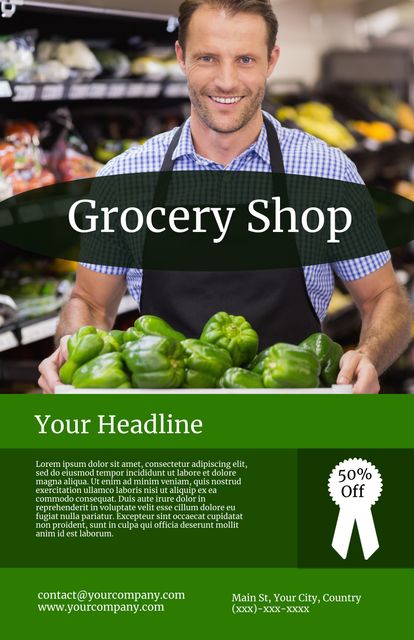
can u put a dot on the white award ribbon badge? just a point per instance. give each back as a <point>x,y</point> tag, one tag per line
<point>355,486</point>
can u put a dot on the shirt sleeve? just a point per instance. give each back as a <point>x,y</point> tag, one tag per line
<point>357,268</point>
<point>108,170</point>
<point>102,268</point>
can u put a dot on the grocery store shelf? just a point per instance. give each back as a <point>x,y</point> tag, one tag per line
<point>389,160</point>
<point>126,8</point>
<point>37,329</point>
<point>95,90</point>
<point>8,340</point>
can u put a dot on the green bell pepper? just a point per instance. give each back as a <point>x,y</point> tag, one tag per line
<point>330,369</point>
<point>83,345</point>
<point>110,344</point>
<point>237,378</point>
<point>80,333</point>
<point>156,362</point>
<point>107,371</point>
<point>132,334</point>
<point>204,364</point>
<point>155,326</point>
<point>289,366</point>
<point>329,354</point>
<point>257,364</point>
<point>117,335</point>
<point>233,333</point>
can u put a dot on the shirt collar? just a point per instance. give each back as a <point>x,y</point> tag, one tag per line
<point>185,145</point>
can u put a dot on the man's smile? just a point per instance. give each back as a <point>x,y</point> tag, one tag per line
<point>226,100</point>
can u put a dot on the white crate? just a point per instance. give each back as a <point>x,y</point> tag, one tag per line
<point>336,388</point>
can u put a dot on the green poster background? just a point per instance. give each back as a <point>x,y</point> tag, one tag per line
<point>354,425</point>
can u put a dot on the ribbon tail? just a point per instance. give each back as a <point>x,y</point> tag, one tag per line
<point>367,532</point>
<point>343,532</point>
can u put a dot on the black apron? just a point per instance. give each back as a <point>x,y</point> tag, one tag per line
<point>274,301</point>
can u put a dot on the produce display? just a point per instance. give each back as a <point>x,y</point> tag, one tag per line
<point>25,165</point>
<point>152,68</point>
<point>16,54</point>
<point>379,131</point>
<point>22,163</point>
<point>73,163</point>
<point>114,63</point>
<point>25,59</point>
<point>405,189</point>
<point>377,114</point>
<point>318,120</point>
<point>153,355</point>
<point>108,149</point>
<point>386,104</point>
<point>34,296</point>
<point>74,55</point>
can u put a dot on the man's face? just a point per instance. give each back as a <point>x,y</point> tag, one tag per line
<point>226,63</point>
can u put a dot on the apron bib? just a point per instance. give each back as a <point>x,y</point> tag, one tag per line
<point>274,301</point>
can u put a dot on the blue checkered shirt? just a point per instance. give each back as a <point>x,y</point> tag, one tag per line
<point>302,155</point>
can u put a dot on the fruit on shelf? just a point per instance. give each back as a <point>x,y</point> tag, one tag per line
<point>405,116</point>
<point>114,63</point>
<point>318,120</point>
<point>379,131</point>
<point>405,189</point>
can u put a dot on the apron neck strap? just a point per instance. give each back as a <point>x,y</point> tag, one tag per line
<point>275,153</point>
<point>168,163</point>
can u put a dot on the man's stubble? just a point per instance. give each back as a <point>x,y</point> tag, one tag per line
<point>253,104</point>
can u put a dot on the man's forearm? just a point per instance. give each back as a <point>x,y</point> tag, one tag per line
<point>76,313</point>
<point>386,327</point>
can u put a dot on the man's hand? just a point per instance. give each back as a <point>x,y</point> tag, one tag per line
<point>357,369</point>
<point>49,367</point>
<point>94,301</point>
<point>386,329</point>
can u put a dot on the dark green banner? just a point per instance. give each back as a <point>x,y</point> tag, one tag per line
<point>206,221</point>
<point>243,492</point>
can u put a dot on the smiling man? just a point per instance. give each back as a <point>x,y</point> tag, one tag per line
<point>227,56</point>
<point>227,50</point>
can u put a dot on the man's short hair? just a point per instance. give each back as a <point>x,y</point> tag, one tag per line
<point>259,7</point>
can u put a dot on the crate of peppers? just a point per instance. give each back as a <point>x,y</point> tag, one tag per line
<point>152,355</point>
